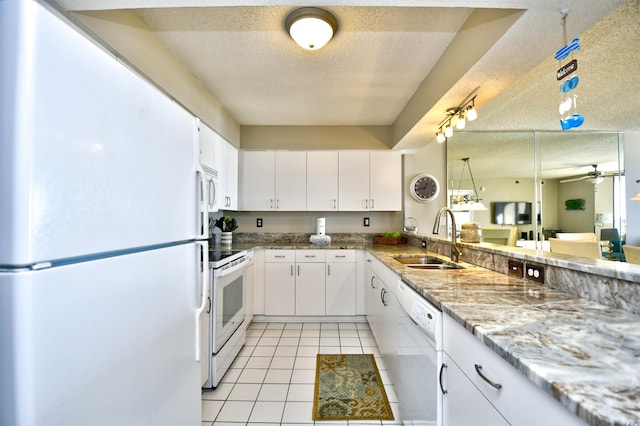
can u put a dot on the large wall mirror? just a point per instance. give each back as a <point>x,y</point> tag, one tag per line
<point>536,185</point>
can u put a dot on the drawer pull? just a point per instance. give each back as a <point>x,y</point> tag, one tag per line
<point>485,378</point>
<point>310,255</point>
<point>279,256</point>
<point>442,367</point>
<point>341,255</point>
<point>372,284</point>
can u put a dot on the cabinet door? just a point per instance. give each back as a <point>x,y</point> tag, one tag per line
<point>372,301</point>
<point>229,176</point>
<point>463,404</point>
<point>341,288</point>
<point>322,181</point>
<point>385,180</point>
<point>390,312</point>
<point>291,180</point>
<point>310,289</point>
<point>206,145</point>
<point>280,289</point>
<point>353,181</point>
<point>257,180</point>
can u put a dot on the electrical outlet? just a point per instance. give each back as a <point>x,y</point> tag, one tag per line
<point>535,273</point>
<point>516,268</point>
<point>365,222</point>
<point>424,244</point>
<point>259,222</point>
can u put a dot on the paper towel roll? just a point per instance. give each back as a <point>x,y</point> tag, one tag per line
<point>320,226</point>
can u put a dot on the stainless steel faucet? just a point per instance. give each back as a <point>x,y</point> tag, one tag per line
<point>455,250</point>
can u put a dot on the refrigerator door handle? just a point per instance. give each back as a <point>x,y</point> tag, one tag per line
<point>204,280</point>
<point>203,214</point>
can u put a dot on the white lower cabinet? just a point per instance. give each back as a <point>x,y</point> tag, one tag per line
<point>462,402</point>
<point>280,282</point>
<point>383,309</point>
<point>515,398</point>
<point>340,294</point>
<point>309,283</point>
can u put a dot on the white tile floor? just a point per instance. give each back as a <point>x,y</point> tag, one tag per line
<point>272,379</point>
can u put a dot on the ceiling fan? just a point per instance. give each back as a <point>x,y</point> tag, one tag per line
<point>595,176</point>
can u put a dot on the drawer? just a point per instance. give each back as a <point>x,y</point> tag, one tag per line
<point>303,256</point>
<point>517,394</point>
<point>347,256</point>
<point>280,256</point>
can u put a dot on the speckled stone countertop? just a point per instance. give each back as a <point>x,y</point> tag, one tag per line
<point>586,355</point>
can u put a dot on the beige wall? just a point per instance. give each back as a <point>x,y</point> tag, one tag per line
<point>316,137</point>
<point>576,220</point>
<point>305,222</point>
<point>430,159</point>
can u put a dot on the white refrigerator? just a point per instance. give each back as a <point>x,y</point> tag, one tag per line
<point>103,251</point>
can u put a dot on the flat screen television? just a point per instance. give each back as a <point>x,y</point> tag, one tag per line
<point>511,212</point>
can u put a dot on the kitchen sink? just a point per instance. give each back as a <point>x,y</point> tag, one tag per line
<point>432,266</point>
<point>406,259</point>
<point>425,262</point>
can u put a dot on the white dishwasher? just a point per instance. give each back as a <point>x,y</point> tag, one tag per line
<point>418,358</point>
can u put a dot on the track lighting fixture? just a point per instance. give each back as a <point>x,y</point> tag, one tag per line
<point>466,111</point>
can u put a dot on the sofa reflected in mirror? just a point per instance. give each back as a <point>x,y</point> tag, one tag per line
<point>632,254</point>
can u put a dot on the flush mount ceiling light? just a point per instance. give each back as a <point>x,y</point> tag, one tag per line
<point>311,27</point>
<point>466,111</point>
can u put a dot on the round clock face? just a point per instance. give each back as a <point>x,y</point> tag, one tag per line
<point>424,188</point>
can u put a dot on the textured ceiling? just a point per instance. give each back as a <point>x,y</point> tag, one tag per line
<point>364,76</point>
<point>380,67</point>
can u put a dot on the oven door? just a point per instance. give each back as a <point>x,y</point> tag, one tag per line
<point>228,303</point>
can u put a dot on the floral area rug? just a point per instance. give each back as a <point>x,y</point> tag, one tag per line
<point>348,387</point>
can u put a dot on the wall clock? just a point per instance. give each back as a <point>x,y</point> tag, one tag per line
<point>424,188</point>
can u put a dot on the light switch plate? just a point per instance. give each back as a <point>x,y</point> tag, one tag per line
<point>516,268</point>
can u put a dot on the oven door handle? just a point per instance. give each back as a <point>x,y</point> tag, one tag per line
<point>231,270</point>
<point>204,281</point>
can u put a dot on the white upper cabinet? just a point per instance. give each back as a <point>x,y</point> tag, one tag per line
<point>291,180</point>
<point>220,159</point>
<point>385,180</point>
<point>273,180</point>
<point>353,180</point>
<point>322,180</point>
<point>257,180</point>
<point>206,145</point>
<point>370,181</point>
<point>226,161</point>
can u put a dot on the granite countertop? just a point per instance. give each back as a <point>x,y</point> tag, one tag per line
<point>586,355</point>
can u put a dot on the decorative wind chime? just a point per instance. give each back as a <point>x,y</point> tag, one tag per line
<point>569,117</point>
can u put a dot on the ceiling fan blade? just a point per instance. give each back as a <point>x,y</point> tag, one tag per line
<point>574,179</point>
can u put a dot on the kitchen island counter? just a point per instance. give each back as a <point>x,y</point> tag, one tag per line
<point>586,355</point>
